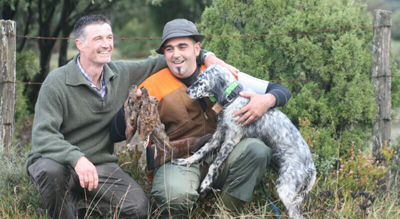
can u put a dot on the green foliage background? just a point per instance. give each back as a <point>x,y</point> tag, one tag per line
<point>147,19</point>
<point>27,66</point>
<point>327,73</point>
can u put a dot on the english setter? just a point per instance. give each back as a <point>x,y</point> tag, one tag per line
<point>297,172</point>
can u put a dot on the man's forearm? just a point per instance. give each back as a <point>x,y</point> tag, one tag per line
<point>281,93</point>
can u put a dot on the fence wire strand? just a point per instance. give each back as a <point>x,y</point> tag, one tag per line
<point>29,122</point>
<point>221,36</point>
<point>274,81</point>
<point>218,37</point>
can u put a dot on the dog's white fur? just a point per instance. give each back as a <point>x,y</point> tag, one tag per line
<point>297,172</point>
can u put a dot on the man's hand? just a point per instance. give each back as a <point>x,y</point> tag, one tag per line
<point>87,173</point>
<point>211,59</point>
<point>258,105</point>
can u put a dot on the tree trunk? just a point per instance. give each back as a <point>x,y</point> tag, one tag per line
<point>63,53</point>
<point>45,57</point>
<point>46,14</point>
<point>67,27</point>
<point>27,26</point>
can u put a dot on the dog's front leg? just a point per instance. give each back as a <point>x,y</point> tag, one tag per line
<point>226,148</point>
<point>208,147</point>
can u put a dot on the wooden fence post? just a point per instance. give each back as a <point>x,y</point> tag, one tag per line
<point>7,82</point>
<point>381,80</point>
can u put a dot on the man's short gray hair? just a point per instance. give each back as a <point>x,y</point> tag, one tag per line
<point>88,20</point>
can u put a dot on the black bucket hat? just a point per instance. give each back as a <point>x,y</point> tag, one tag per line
<point>179,28</point>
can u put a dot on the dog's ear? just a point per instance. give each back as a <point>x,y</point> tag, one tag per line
<point>222,78</point>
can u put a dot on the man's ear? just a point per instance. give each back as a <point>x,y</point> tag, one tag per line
<point>197,47</point>
<point>79,44</point>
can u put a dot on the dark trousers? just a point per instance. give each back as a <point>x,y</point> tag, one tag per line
<point>63,196</point>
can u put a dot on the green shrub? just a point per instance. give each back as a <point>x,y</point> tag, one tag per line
<point>328,73</point>
<point>27,66</point>
<point>362,172</point>
<point>137,27</point>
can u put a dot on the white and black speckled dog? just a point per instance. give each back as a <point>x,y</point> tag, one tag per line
<point>297,173</point>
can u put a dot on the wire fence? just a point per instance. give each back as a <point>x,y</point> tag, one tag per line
<point>291,33</point>
<point>272,80</point>
<point>219,37</point>
<point>222,36</point>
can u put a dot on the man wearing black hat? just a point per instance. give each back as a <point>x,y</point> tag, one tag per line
<point>175,188</point>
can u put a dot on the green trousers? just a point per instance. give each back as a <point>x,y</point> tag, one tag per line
<point>175,188</point>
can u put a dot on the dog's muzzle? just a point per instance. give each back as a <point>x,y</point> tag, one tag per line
<point>189,93</point>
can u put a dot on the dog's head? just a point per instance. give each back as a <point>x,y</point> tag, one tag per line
<point>211,83</point>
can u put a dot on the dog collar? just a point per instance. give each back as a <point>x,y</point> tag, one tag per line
<point>231,93</point>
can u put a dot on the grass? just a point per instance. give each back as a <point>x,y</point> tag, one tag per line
<point>18,197</point>
<point>332,195</point>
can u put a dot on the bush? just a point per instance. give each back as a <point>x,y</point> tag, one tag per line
<point>27,66</point>
<point>356,188</point>
<point>327,73</point>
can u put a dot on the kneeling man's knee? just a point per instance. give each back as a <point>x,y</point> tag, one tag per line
<point>46,172</point>
<point>259,153</point>
<point>175,200</point>
<point>136,209</point>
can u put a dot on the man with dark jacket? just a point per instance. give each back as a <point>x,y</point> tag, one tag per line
<point>175,188</point>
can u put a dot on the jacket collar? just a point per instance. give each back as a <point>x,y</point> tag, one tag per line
<point>74,76</point>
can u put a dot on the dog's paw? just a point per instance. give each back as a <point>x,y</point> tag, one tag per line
<point>205,187</point>
<point>180,161</point>
<point>204,191</point>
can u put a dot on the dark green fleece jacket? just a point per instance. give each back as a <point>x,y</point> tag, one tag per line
<point>72,120</point>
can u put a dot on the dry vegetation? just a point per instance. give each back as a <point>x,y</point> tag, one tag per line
<point>351,188</point>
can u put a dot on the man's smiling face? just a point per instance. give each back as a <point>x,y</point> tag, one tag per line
<point>180,55</point>
<point>98,43</point>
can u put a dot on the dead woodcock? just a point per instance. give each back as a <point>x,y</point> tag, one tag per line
<point>141,114</point>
